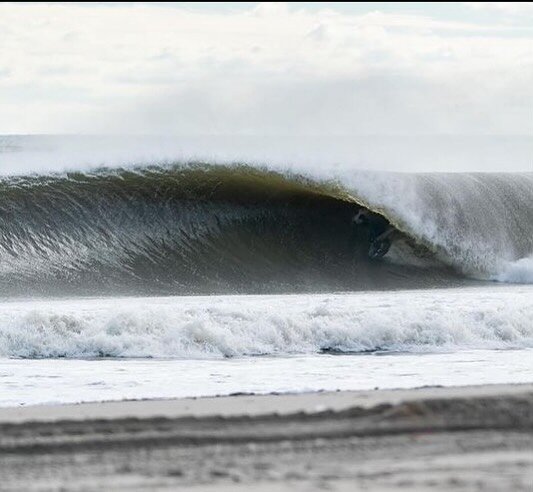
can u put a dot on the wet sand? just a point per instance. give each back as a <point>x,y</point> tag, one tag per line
<point>464,438</point>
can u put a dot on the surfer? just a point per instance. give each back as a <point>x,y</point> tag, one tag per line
<point>379,232</point>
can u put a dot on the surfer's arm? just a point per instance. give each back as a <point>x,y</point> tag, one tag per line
<point>385,234</point>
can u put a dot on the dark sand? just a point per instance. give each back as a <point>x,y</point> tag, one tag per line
<point>472,438</point>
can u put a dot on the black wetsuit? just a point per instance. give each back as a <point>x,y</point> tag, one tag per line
<point>377,225</point>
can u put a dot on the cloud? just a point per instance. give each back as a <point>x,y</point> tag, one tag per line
<point>271,69</point>
<point>509,8</point>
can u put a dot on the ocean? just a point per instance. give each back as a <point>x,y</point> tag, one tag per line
<point>156,268</point>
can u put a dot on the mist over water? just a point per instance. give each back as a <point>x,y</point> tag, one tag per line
<point>319,154</point>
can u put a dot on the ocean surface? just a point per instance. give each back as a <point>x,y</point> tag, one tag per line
<point>154,268</point>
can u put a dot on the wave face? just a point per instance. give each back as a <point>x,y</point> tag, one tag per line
<point>199,228</point>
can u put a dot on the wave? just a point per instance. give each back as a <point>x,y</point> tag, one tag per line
<point>517,272</point>
<point>194,228</point>
<point>228,326</point>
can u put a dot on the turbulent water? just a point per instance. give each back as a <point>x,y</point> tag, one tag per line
<point>196,327</point>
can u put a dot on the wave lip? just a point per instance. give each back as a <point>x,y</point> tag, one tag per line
<point>232,326</point>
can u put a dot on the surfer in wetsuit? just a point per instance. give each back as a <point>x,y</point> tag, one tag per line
<point>379,232</point>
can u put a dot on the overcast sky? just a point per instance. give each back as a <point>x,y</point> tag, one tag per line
<point>267,69</point>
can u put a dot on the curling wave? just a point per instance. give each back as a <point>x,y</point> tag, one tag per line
<point>203,228</point>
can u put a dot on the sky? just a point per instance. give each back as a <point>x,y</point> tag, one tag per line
<point>267,68</point>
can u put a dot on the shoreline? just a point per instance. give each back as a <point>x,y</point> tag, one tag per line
<point>247,404</point>
<point>427,438</point>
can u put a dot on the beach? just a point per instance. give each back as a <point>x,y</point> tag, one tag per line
<point>460,438</point>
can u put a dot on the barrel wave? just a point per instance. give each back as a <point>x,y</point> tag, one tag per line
<point>200,228</point>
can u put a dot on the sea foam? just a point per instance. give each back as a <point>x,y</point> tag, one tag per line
<point>518,272</point>
<point>232,326</point>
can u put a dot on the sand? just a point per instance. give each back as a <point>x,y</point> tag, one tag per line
<point>464,438</point>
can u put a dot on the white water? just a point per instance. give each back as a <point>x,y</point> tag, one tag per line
<point>518,272</point>
<point>29,382</point>
<point>178,346</point>
<point>498,317</point>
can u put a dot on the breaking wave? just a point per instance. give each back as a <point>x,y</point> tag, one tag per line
<point>203,228</point>
<point>227,326</point>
